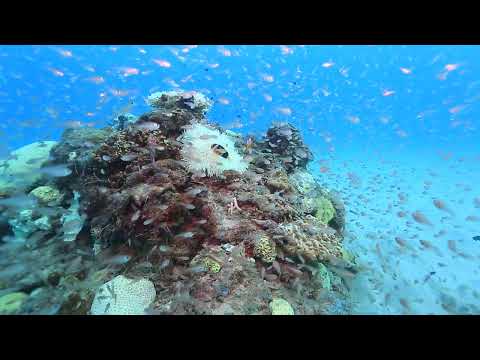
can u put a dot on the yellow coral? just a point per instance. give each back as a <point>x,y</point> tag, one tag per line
<point>46,194</point>
<point>265,249</point>
<point>325,210</point>
<point>212,265</point>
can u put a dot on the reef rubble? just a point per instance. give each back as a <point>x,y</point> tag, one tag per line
<point>211,222</point>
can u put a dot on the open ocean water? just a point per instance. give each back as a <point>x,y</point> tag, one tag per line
<point>393,129</point>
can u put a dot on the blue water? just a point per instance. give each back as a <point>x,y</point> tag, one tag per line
<point>388,114</point>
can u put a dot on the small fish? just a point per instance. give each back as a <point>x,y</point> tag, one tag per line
<point>106,158</point>
<point>207,137</point>
<point>429,275</point>
<point>439,204</point>
<point>164,248</point>
<point>19,202</point>
<point>164,264</point>
<point>194,191</point>
<point>147,126</point>
<point>277,268</point>
<point>405,304</point>
<point>128,157</point>
<point>476,238</point>
<point>135,216</point>
<point>111,291</point>
<point>262,273</point>
<point>198,269</point>
<point>420,218</point>
<point>33,161</point>
<point>56,170</point>
<point>118,260</point>
<point>72,226</point>
<point>401,242</point>
<point>452,245</point>
<point>106,308</point>
<point>187,234</point>
<point>472,218</point>
<point>476,202</point>
<point>148,221</point>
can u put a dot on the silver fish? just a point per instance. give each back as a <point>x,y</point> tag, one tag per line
<point>56,170</point>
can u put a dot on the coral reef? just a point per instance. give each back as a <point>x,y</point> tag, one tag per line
<point>217,223</point>
<point>123,296</point>
<point>72,221</point>
<point>27,222</point>
<point>283,147</point>
<point>47,195</point>
<point>77,145</point>
<point>325,211</point>
<point>122,121</point>
<point>192,100</point>
<point>264,249</point>
<point>308,239</point>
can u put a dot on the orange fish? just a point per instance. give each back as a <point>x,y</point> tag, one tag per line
<point>388,92</point>
<point>268,78</point>
<point>439,204</point>
<point>128,71</point>
<point>96,80</point>
<point>421,219</point>
<point>328,64</point>
<point>56,72</point>
<point>162,63</point>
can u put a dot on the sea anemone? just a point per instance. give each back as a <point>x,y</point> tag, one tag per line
<point>208,151</point>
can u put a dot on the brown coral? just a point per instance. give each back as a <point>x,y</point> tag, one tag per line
<point>308,239</point>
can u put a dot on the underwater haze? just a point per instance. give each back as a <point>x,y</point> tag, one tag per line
<point>392,131</point>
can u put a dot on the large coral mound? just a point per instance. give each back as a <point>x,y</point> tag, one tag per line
<point>227,243</point>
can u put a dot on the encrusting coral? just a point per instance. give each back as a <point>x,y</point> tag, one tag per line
<point>264,249</point>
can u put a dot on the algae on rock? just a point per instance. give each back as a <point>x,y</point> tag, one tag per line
<point>11,303</point>
<point>325,210</point>
<point>281,307</point>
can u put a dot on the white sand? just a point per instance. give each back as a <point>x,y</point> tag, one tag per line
<point>400,272</point>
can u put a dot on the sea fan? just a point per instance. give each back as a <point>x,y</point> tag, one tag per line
<point>208,151</point>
